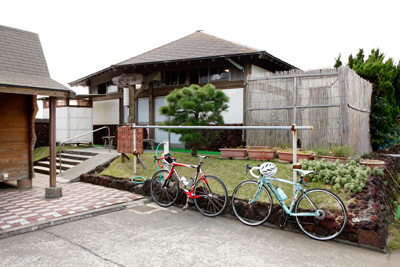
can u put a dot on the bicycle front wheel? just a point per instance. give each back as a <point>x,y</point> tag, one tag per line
<point>332,214</point>
<point>164,191</point>
<point>251,204</point>
<point>211,197</point>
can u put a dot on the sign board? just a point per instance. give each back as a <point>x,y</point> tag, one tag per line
<point>128,79</point>
<point>125,140</point>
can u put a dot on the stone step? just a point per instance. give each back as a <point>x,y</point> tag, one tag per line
<point>74,156</point>
<point>69,161</point>
<point>75,152</point>
<point>47,164</point>
<point>43,170</point>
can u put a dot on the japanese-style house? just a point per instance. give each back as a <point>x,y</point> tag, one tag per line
<point>198,58</point>
<point>23,76</point>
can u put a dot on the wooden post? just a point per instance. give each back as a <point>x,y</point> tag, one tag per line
<point>52,140</point>
<point>132,104</point>
<point>247,71</point>
<point>121,111</point>
<point>151,112</point>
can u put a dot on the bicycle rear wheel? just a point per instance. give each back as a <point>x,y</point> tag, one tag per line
<point>333,214</point>
<point>213,197</point>
<point>164,191</point>
<point>252,214</point>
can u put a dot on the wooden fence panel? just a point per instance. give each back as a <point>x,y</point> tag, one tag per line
<point>320,98</point>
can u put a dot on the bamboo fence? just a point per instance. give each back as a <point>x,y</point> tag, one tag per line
<point>336,102</point>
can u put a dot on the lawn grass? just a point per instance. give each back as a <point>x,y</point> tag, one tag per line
<point>394,233</point>
<point>231,172</point>
<point>42,152</point>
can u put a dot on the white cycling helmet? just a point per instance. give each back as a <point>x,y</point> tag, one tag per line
<point>268,169</point>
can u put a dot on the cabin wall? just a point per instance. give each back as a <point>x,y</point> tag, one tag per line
<point>16,135</point>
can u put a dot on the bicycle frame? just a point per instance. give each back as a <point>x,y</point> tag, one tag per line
<point>190,194</point>
<point>263,180</point>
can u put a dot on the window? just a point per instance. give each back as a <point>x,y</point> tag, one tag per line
<point>203,75</point>
<point>182,77</point>
<point>194,76</point>
<point>102,88</point>
<point>219,73</point>
<point>170,78</point>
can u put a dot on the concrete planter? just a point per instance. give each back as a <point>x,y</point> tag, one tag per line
<point>373,163</point>
<point>261,154</point>
<point>333,159</point>
<point>288,156</point>
<point>233,153</point>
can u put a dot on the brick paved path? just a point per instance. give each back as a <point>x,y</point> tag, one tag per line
<point>25,207</point>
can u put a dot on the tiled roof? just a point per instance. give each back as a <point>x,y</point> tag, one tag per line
<point>22,62</point>
<point>196,45</point>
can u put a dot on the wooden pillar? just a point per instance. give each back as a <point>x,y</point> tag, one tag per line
<point>121,111</point>
<point>52,139</point>
<point>35,110</point>
<point>247,71</point>
<point>132,104</point>
<point>152,114</point>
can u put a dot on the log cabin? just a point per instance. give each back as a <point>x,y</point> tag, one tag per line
<point>23,76</point>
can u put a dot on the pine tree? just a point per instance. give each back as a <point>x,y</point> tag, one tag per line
<point>195,106</point>
<point>338,62</point>
<point>385,101</point>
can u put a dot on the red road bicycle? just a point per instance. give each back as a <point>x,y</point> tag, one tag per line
<point>207,192</point>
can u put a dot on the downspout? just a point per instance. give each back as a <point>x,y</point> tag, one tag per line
<point>244,85</point>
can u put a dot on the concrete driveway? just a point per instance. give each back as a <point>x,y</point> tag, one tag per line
<point>148,235</point>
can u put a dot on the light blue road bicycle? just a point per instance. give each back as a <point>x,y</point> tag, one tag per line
<point>319,213</point>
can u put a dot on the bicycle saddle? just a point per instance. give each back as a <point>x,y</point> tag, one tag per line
<point>303,172</point>
<point>202,157</point>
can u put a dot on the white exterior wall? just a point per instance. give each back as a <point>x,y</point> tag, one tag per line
<point>159,134</point>
<point>143,111</point>
<point>258,70</point>
<point>106,112</point>
<point>234,114</point>
<point>71,122</point>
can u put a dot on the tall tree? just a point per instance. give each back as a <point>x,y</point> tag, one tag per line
<point>385,102</point>
<point>195,106</point>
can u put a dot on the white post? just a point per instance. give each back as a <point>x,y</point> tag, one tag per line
<point>166,150</point>
<point>166,146</point>
<point>126,104</point>
<point>294,156</point>
<point>134,149</point>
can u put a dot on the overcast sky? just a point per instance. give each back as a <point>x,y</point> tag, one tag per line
<point>82,37</point>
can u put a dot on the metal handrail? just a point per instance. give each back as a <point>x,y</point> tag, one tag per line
<point>61,143</point>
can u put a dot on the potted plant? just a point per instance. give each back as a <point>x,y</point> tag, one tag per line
<point>261,153</point>
<point>236,153</point>
<point>373,163</point>
<point>341,153</point>
<point>286,154</point>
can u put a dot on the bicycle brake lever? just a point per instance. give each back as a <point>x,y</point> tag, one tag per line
<point>247,168</point>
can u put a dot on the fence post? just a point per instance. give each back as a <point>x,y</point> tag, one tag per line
<point>134,149</point>
<point>294,156</point>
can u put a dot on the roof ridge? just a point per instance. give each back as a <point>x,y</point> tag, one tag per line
<point>155,48</point>
<point>233,42</point>
<point>175,41</point>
